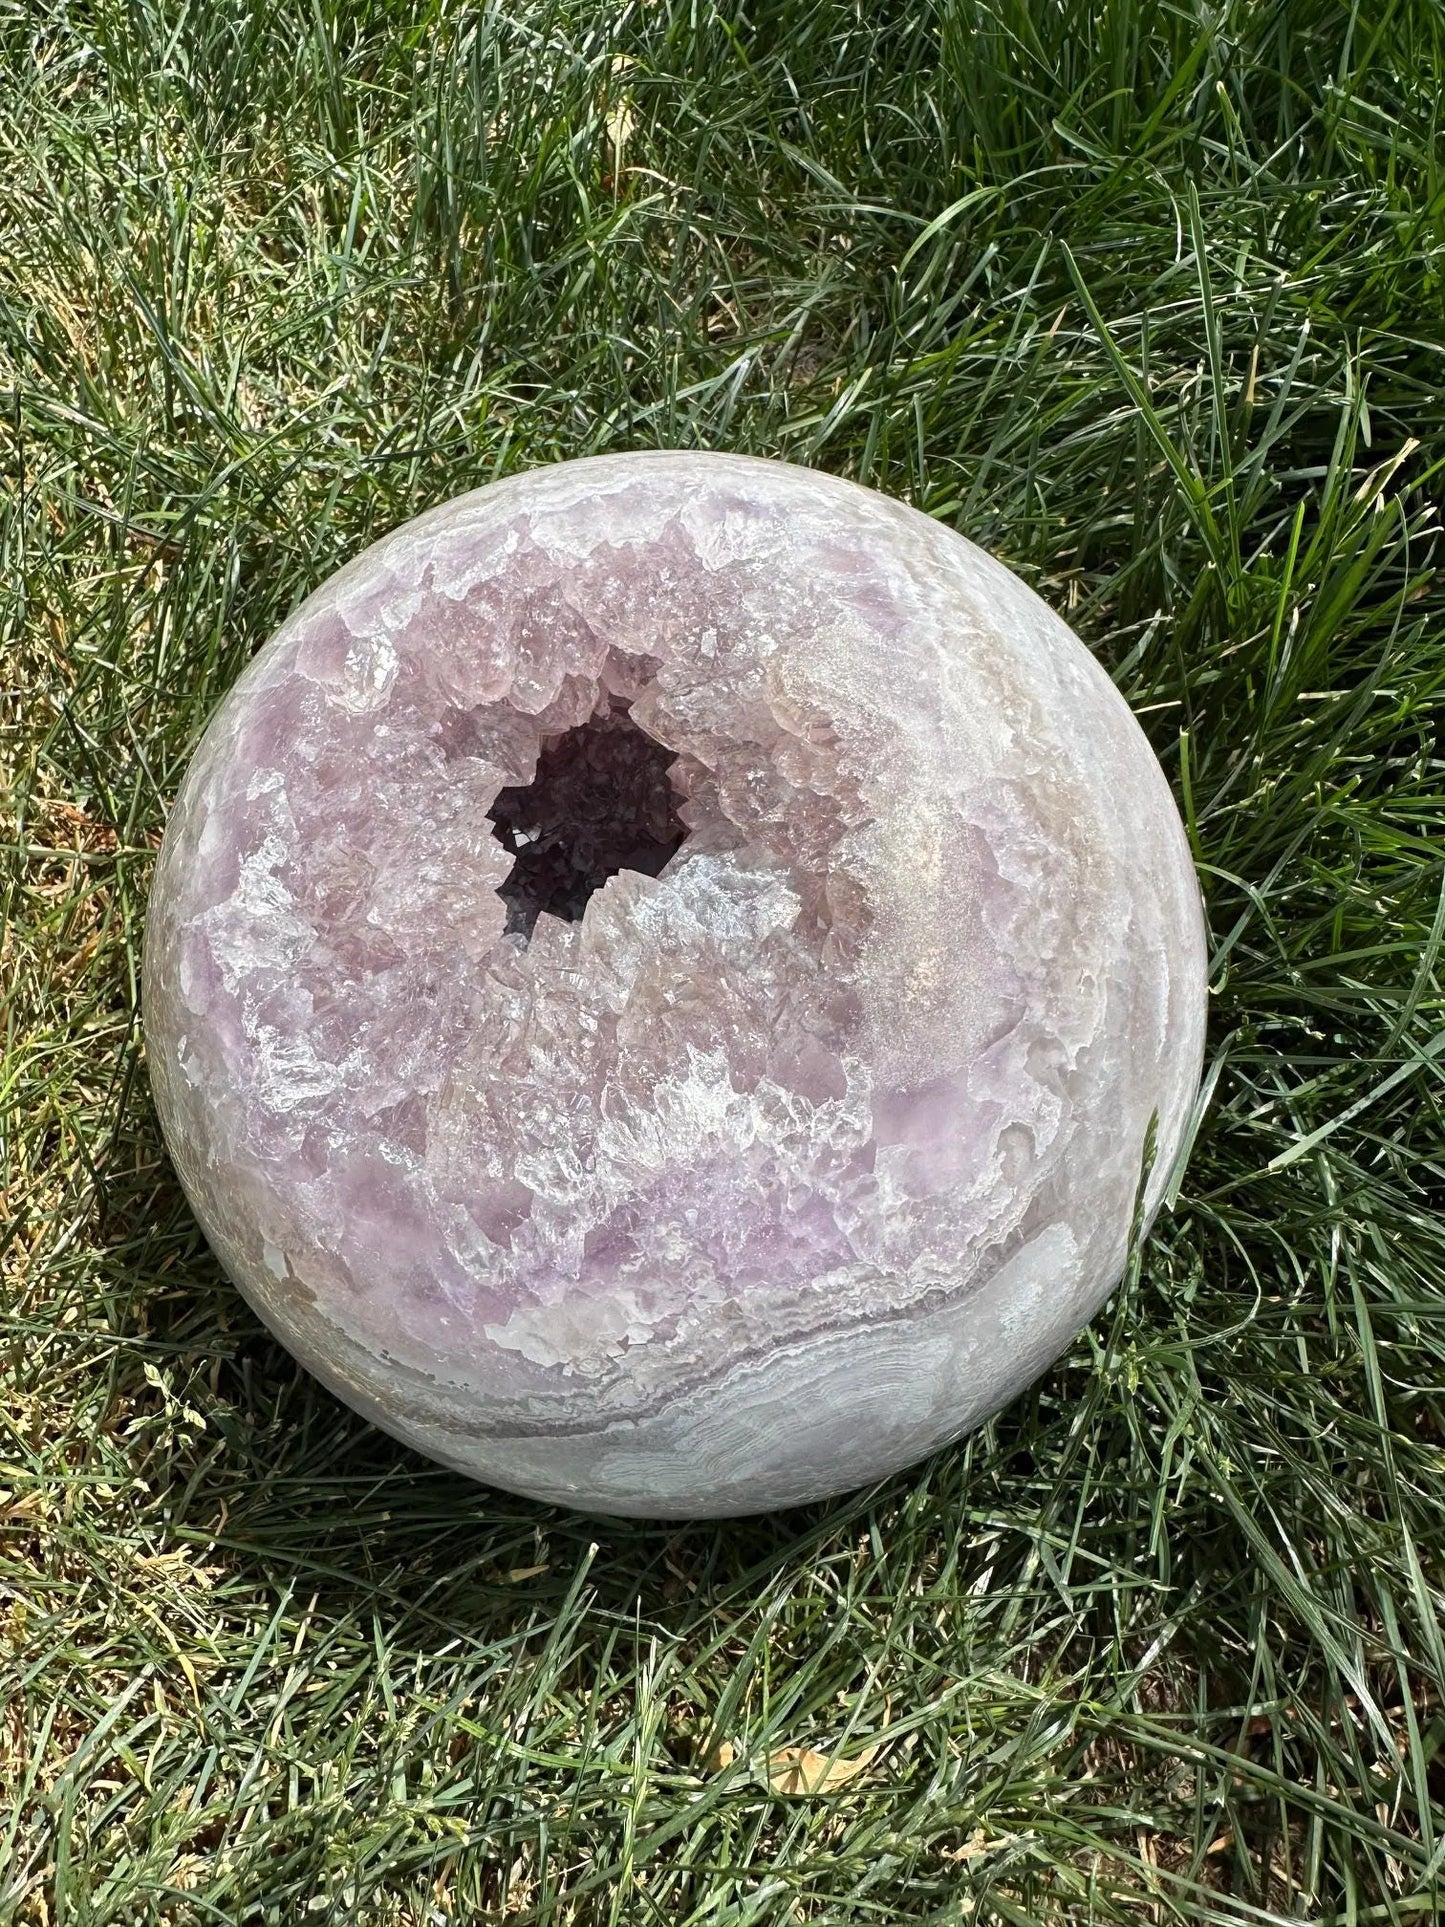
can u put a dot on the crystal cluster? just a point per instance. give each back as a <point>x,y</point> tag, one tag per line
<point>659,978</point>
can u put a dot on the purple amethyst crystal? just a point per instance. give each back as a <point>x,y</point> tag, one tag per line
<point>658,981</point>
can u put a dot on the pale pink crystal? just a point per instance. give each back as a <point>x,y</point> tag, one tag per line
<point>771,1172</point>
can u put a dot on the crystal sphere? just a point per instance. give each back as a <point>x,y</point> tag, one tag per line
<point>660,979</point>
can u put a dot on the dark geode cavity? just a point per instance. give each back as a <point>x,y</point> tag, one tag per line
<point>599,802</point>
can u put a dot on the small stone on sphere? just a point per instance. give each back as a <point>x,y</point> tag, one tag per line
<point>659,978</point>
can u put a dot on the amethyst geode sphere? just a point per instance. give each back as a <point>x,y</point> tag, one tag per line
<point>658,981</point>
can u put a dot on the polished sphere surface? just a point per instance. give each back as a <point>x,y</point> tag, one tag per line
<point>658,981</point>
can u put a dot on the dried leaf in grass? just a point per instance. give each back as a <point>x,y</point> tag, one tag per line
<point>620,119</point>
<point>977,1843</point>
<point>798,1769</point>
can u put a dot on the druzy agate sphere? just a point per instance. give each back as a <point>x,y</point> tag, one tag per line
<point>665,978</point>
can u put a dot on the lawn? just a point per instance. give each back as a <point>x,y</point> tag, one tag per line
<point>1150,300</point>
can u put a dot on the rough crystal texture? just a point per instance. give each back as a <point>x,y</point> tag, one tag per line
<point>764,1175</point>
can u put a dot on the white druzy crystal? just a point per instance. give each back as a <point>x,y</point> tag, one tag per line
<point>748,1173</point>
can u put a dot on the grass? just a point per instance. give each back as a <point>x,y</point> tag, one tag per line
<point>1148,298</point>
